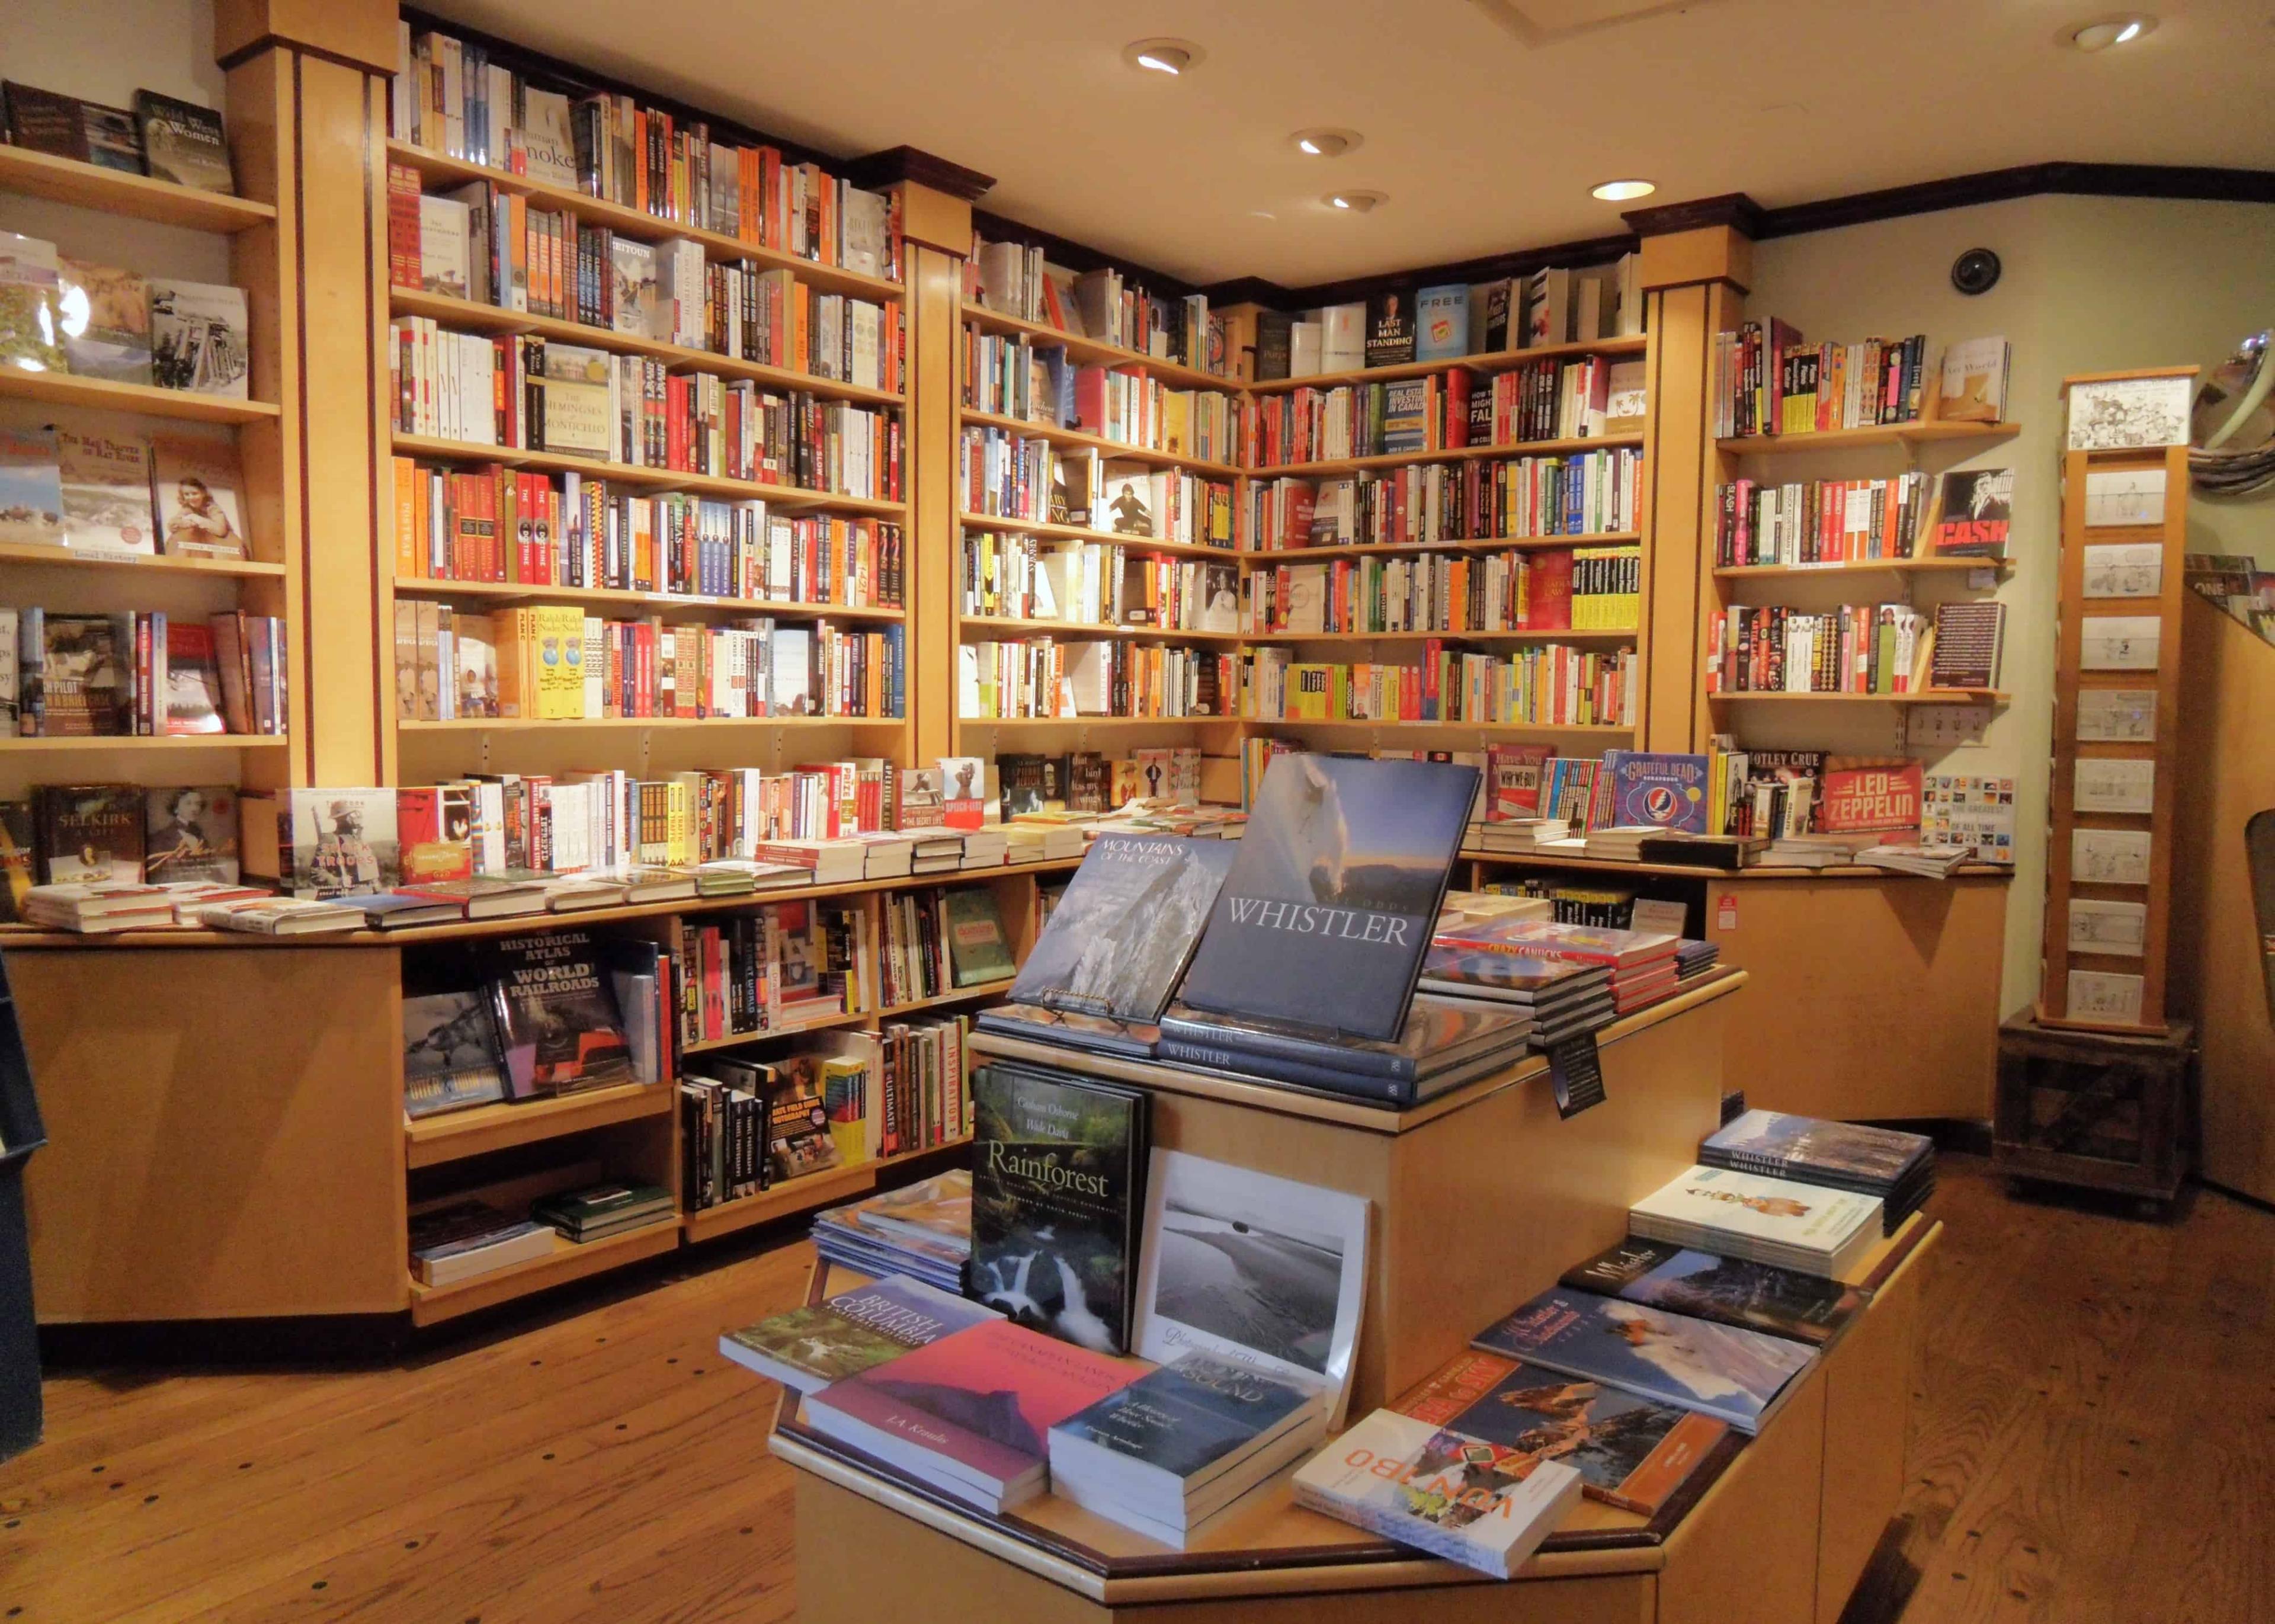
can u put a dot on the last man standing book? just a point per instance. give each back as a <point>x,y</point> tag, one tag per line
<point>1333,892</point>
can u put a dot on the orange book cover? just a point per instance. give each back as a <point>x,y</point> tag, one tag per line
<point>408,563</point>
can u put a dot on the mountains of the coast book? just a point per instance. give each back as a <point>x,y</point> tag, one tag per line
<point>1333,894</point>
<point>1057,1167</point>
<point>1121,936</point>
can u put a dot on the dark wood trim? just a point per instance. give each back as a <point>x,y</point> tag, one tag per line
<point>2192,183</point>
<point>251,49</point>
<point>1733,209</point>
<point>1249,290</point>
<point>1079,256</point>
<point>306,741</point>
<point>1519,263</point>
<point>914,165</point>
<point>384,702</point>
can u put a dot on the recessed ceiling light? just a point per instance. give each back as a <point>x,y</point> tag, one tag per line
<point>1622,190</point>
<point>1326,143</point>
<point>1354,202</point>
<point>2111,31</point>
<point>1169,57</point>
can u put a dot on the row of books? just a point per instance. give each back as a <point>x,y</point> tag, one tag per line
<point>1044,677</point>
<point>162,136</point>
<point>1826,521</point>
<point>451,96</point>
<point>1018,280</point>
<point>463,1239</point>
<point>121,495</point>
<point>1586,589</point>
<point>1095,584</point>
<point>553,662</point>
<point>488,244</point>
<point>140,675</point>
<point>84,319</point>
<point>1552,685</point>
<point>1588,493</point>
<point>1769,380</point>
<point>511,525</point>
<point>533,394</point>
<point>1541,400</point>
<point>1004,475</point>
<point>1035,381</point>
<point>1886,648</point>
<point>1447,321</point>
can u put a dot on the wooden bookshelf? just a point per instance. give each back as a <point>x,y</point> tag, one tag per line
<point>495,724</point>
<point>59,743</point>
<point>1330,466</point>
<point>1489,361</point>
<point>1927,432</point>
<point>1859,566</point>
<point>165,564</point>
<point>1256,558</point>
<point>1925,696</point>
<point>1097,722</point>
<point>429,1141</point>
<point>1012,626</point>
<point>55,389</point>
<point>1499,729</point>
<point>1093,351</point>
<point>1076,532</point>
<point>113,192</point>
<point>786,496</point>
<point>1082,440</point>
<point>568,1260</point>
<point>524,591</point>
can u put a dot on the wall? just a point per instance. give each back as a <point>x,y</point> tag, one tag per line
<point>2089,285</point>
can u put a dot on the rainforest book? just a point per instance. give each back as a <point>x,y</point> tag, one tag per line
<point>1126,926</point>
<point>1731,1291</point>
<point>1332,892</point>
<point>809,1347</point>
<point>1057,1202</point>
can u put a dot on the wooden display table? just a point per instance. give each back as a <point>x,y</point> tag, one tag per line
<point>1482,1199</point>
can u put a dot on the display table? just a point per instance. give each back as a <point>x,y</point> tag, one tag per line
<point>1481,1198</point>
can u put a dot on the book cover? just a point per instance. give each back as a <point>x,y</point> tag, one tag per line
<point>198,337</point>
<point>1442,322</point>
<point>1057,1173</point>
<point>44,121</point>
<point>31,484</point>
<point>31,335</point>
<point>184,143</point>
<point>1975,512</point>
<point>449,1053</point>
<point>977,951</point>
<point>1440,1034</point>
<point>192,680</point>
<point>1482,1505</point>
<point>88,833</point>
<point>106,321</point>
<point>1186,1419</point>
<point>1126,926</point>
<point>1800,1220</point>
<point>576,415</point>
<point>1861,795</point>
<point>1731,1291</point>
<point>190,834</point>
<point>106,480</point>
<point>113,142</point>
<point>84,664</point>
<point>964,791</point>
<point>1781,1145</point>
<point>1630,1450</point>
<point>1124,499</point>
<point>1390,328</point>
<point>1325,914</point>
<point>1650,787</point>
<point>1514,775</point>
<point>1725,1372</point>
<point>196,487</point>
<point>558,1028</point>
<point>809,1347</point>
<point>1102,1032</point>
<point>343,842</point>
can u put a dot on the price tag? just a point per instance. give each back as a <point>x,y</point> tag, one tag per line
<point>1576,1072</point>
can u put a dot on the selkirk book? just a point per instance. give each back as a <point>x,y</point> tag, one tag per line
<point>1121,934</point>
<point>1332,892</point>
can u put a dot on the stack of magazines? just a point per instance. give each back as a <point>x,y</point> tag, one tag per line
<point>1564,999</point>
<point>1897,1167</point>
<point>1642,963</point>
<point>922,1230</point>
<point>1806,1226</point>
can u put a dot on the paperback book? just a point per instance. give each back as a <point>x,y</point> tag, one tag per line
<point>1731,1291</point>
<point>1103,1033</point>
<point>1442,1038</point>
<point>1806,1227</point>
<point>809,1347</point>
<point>1126,926</point>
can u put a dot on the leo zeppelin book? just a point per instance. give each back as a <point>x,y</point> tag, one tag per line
<point>1327,909</point>
<point>1121,934</point>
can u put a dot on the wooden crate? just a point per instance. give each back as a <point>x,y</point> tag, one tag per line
<point>2104,1110</point>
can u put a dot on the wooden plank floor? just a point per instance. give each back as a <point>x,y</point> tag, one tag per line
<point>2094,1444</point>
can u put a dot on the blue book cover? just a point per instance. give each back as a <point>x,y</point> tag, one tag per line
<point>1334,889</point>
<point>1184,1418</point>
<point>1442,322</point>
<point>1732,1374</point>
<point>1651,787</point>
<point>1440,1034</point>
<point>1120,937</point>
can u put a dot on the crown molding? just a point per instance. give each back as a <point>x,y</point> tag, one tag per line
<point>2195,184</point>
<point>1733,209</point>
<point>912,165</point>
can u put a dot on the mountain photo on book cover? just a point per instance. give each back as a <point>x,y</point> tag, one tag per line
<point>1120,936</point>
<point>1332,892</point>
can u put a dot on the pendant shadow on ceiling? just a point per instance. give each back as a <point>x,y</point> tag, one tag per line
<point>1538,23</point>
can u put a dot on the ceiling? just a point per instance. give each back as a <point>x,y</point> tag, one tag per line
<point>1485,121</point>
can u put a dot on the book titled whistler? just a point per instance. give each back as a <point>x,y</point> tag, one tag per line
<point>1333,890</point>
<point>1055,1202</point>
<point>1121,936</point>
<point>1779,1144</point>
<point>1652,788</point>
<point>1732,1291</point>
<point>809,1347</point>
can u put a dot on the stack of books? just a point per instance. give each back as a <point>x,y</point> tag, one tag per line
<point>597,1211</point>
<point>467,1238</point>
<point>1933,862</point>
<point>826,862</point>
<point>1727,852</point>
<point>1446,1042</point>
<point>1045,837</point>
<point>985,847</point>
<point>1808,1227</point>
<point>1622,843</point>
<point>93,907</point>
<point>1475,907</point>
<point>1562,999</point>
<point>1517,834</point>
<point>922,1230</point>
<point>1693,959</point>
<point>1642,963</point>
<point>938,851</point>
<point>890,856</point>
<point>1182,1442</point>
<point>808,1349</point>
<point>1897,1167</point>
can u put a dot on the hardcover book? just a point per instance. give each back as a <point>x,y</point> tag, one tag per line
<point>335,843</point>
<point>976,952</point>
<point>184,143</point>
<point>1442,317</point>
<point>106,321</point>
<point>449,1053</point>
<point>1126,926</point>
<point>85,666</point>
<point>31,334</point>
<point>970,1414</point>
<point>1057,1171</point>
<point>18,858</point>
<point>31,479</point>
<point>1977,510</point>
<point>809,1347</point>
<point>196,485</point>
<point>1482,1505</point>
<point>198,339</point>
<point>1104,1033</point>
<point>1630,1450</point>
<point>1733,1375</point>
<point>88,833</point>
<point>1515,772</point>
<point>1779,1144</point>
<point>1337,881</point>
<point>1390,328</point>
<point>558,1027</point>
<point>190,834</point>
<point>106,480</point>
<point>1649,787</point>
<point>1440,1034</point>
<point>193,698</point>
<point>1808,1227</point>
<point>1731,1291</point>
<point>964,791</point>
<point>1863,795</point>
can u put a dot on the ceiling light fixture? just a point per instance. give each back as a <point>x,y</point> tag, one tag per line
<point>1169,57</point>
<point>1623,191</point>
<point>2110,31</point>
<point>1354,203</point>
<point>1326,143</point>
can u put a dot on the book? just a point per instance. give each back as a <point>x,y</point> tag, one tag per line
<point>1057,1177</point>
<point>964,791</point>
<point>1973,386</point>
<point>31,480</point>
<point>1867,794</point>
<point>1440,1035</point>
<point>106,321</point>
<point>196,488</point>
<point>1851,1155</point>
<point>88,833</point>
<point>1650,789</point>
<point>1126,926</point>
<point>1975,512</point>
<point>19,859</point>
<point>1630,1450</point>
<point>1811,1227</point>
<point>1442,322</point>
<point>1737,1376</point>
<point>1482,1505</point>
<point>972,1413</point>
<point>1327,908</point>
<point>193,679</point>
<point>106,485</point>
<point>44,121</point>
<point>1390,328</point>
<point>190,834</point>
<point>31,334</point>
<point>558,1027</point>
<point>1104,1033</point>
<point>922,1229</point>
<point>594,1211</point>
<point>198,337</point>
<point>280,916</point>
<point>322,843</point>
<point>1969,644</point>
<point>462,1239</point>
<point>977,951</point>
<point>184,143</point>
<point>450,1056</point>
<point>1253,1268</point>
<point>1731,1291</point>
<point>808,1348</point>
<point>578,417</point>
<point>1124,499</point>
<point>85,683</point>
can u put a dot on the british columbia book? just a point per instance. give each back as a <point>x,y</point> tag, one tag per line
<point>808,1348</point>
<point>1127,923</point>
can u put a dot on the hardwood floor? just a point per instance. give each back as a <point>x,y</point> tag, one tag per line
<point>2094,1444</point>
